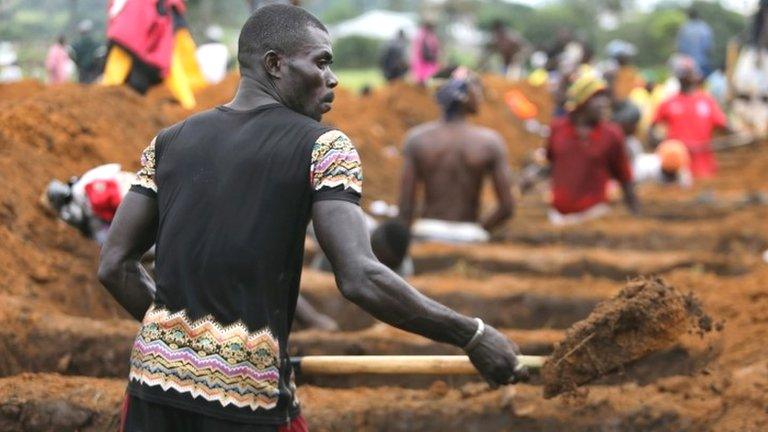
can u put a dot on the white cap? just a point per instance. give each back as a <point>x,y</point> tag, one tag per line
<point>618,47</point>
<point>85,26</point>
<point>214,33</point>
<point>7,54</point>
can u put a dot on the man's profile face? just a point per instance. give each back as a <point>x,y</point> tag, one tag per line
<point>308,82</point>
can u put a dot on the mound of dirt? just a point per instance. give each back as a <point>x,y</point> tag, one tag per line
<point>60,133</point>
<point>647,315</point>
<point>14,92</point>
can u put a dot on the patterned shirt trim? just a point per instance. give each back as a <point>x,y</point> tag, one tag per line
<point>335,162</point>
<point>229,365</point>
<point>145,177</point>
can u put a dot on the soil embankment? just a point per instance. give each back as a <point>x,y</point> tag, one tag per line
<point>63,341</point>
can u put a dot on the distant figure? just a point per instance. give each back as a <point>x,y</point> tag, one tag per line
<point>627,115</point>
<point>150,44</point>
<point>691,116</point>
<point>669,164</point>
<point>58,65</point>
<point>627,76</point>
<point>390,240</point>
<point>758,34</point>
<point>585,151</point>
<point>89,202</point>
<point>394,58</point>
<point>510,47</point>
<point>213,55</point>
<point>749,79</point>
<point>451,158</point>
<point>425,53</point>
<point>9,69</point>
<point>695,40</point>
<point>85,54</point>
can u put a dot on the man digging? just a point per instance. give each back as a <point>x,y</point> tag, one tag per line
<point>449,159</point>
<point>226,195</point>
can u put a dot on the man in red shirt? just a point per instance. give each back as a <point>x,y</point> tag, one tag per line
<point>690,116</point>
<point>585,151</point>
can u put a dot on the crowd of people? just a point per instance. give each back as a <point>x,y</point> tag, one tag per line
<point>612,127</point>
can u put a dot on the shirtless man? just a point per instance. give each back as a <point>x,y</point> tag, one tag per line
<point>452,158</point>
<point>227,195</point>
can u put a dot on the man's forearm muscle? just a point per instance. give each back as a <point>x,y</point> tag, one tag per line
<point>131,235</point>
<point>374,287</point>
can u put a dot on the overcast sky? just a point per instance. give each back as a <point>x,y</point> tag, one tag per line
<point>743,6</point>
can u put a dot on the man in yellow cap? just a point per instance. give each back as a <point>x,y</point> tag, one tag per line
<point>585,151</point>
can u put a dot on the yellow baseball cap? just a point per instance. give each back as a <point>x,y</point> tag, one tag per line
<point>582,89</point>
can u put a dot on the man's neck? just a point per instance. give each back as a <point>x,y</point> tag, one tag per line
<point>253,93</point>
<point>687,89</point>
<point>454,117</point>
<point>581,122</point>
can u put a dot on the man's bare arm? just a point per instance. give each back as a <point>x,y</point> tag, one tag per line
<point>502,186</point>
<point>131,235</point>
<point>408,182</point>
<point>362,279</point>
<point>630,197</point>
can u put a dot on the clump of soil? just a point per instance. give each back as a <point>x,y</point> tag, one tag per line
<point>647,315</point>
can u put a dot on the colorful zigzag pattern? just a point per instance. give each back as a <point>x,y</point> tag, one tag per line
<point>229,365</point>
<point>145,177</point>
<point>335,162</point>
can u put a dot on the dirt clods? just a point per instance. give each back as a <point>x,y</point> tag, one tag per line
<point>647,315</point>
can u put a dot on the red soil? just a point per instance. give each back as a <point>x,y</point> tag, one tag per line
<point>47,270</point>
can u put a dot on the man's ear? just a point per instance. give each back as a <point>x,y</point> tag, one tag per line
<point>273,63</point>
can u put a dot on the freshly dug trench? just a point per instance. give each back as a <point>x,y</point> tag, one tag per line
<point>646,316</point>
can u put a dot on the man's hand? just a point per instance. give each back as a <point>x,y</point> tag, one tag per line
<point>495,357</point>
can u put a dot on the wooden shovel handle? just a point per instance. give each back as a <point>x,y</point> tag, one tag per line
<point>393,364</point>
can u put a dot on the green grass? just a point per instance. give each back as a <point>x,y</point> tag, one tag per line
<point>355,79</point>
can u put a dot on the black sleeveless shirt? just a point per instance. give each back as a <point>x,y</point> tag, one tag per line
<point>234,192</point>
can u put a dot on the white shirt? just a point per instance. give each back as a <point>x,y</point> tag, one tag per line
<point>213,58</point>
<point>646,167</point>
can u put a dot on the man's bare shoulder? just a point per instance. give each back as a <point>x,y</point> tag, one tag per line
<point>418,136</point>
<point>488,137</point>
<point>417,133</point>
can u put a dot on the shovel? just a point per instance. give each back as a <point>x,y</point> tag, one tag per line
<point>397,364</point>
<point>647,315</point>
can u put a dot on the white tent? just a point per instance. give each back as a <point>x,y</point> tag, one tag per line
<point>377,24</point>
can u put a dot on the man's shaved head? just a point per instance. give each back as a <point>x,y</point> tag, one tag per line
<point>277,27</point>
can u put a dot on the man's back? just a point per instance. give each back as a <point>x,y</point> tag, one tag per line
<point>452,160</point>
<point>234,193</point>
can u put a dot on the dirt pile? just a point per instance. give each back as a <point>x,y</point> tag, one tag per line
<point>646,316</point>
<point>551,280</point>
<point>12,93</point>
<point>57,134</point>
<point>62,131</point>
